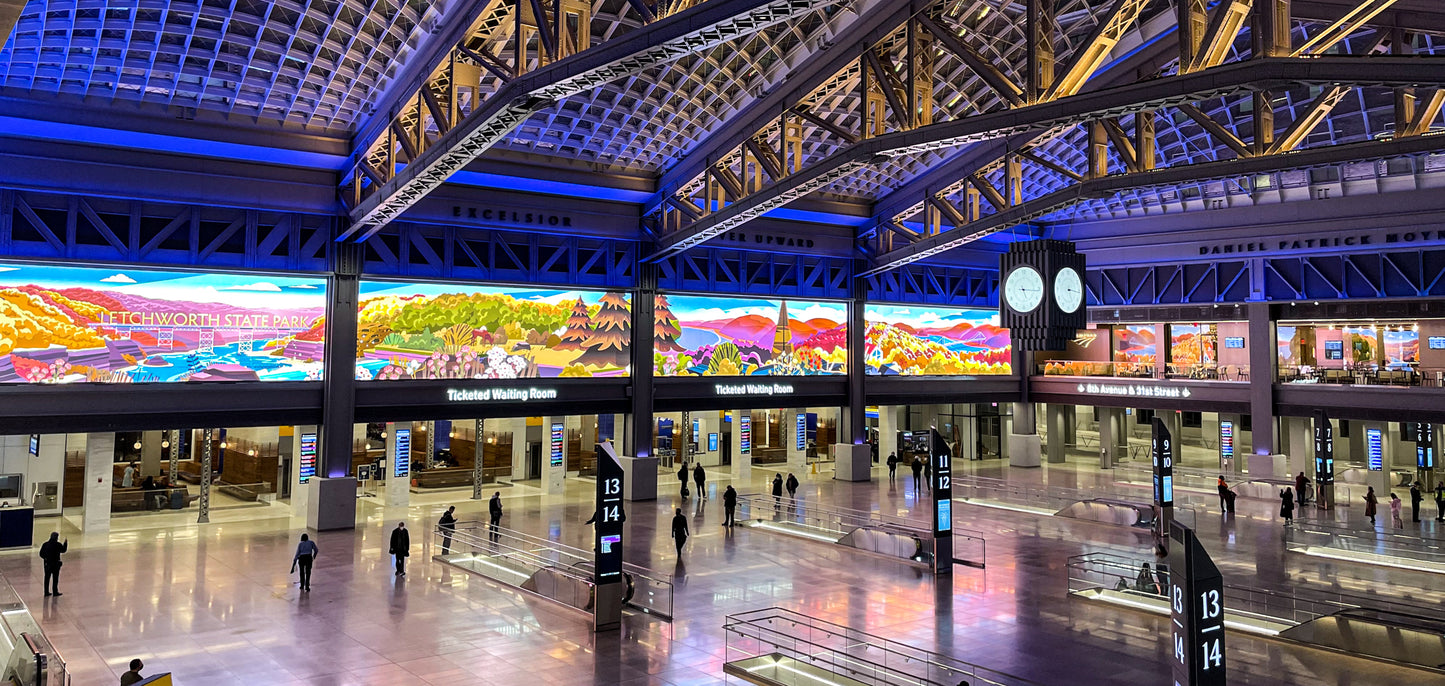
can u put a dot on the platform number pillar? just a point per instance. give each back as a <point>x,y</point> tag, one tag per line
<point>398,464</point>
<point>1324,461</point>
<point>1196,614</point>
<point>174,467</point>
<point>611,584</point>
<point>207,446</point>
<point>942,486</point>
<point>1163,453</point>
<point>478,448</point>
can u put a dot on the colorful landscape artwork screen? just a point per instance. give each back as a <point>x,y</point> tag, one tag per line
<point>442,331</point>
<point>907,340</point>
<point>62,324</point>
<point>715,336</point>
<point>1192,343</point>
<point>1135,343</point>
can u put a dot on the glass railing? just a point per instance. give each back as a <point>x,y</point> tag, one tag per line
<point>30,658</point>
<point>1144,370</point>
<point>513,558</point>
<point>1056,500</point>
<point>834,523</point>
<point>1368,546</point>
<point>774,645</point>
<point>1363,375</point>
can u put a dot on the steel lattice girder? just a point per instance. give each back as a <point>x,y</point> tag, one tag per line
<point>700,28</point>
<point>1178,284</point>
<point>416,250</point>
<point>1259,74</point>
<point>715,270</point>
<point>935,285</point>
<point>1106,186</point>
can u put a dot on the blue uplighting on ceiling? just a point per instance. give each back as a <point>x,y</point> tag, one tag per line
<point>531,185</point>
<point>94,135</point>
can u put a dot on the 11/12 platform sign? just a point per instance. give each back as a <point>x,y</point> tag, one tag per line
<point>1196,611</point>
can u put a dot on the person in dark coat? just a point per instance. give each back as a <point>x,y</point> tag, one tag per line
<point>448,525</point>
<point>699,477</point>
<point>682,478</point>
<point>679,530</point>
<point>306,553</point>
<point>133,676</point>
<point>1415,497</point>
<point>494,508</point>
<point>892,467</point>
<point>1440,502</point>
<point>1372,503</point>
<point>730,506</point>
<point>400,547</point>
<point>917,474</point>
<point>792,485</point>
<point>1301,484</point>
<point>50,552</point>
<point>1223,494</point>
<point>777,490</point>
<point>1286,505</point>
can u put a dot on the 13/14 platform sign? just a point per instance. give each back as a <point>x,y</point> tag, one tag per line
<point>610,516</point>
<point>1196,611</point>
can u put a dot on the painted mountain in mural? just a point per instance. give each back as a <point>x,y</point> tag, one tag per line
<point>916,341</point>
<point>752,337</point>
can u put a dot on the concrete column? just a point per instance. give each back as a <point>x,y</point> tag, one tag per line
<point>797,457</point>
<point>150,454</point>
<point>553,476</point>
<point>519,448</point>
<point>1023,440</point>
<point>742,463</point>
<point>1071,424</point>
<point>706,424</point>
<point>889,421</point>
<point>967,438</point>
<point>300,494</point>
<point>1263,363</point>
<point>1228,465</point>
<point>99,478</point>
<point>1108,436</point>
<point>1057,421</point>
<point>1301,445</point>
<point>398,489</point>
<point>1380,479</point>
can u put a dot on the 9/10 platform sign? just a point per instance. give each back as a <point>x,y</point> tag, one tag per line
<point>608,529</point>
<point>1196,612</point>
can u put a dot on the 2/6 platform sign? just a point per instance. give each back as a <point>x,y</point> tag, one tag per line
<point>1196,612</point>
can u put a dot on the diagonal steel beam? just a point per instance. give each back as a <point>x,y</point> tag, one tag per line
<point>1224,25</point>
<point>1184,174</point>
<point>874,24</point>
<point>1091,56</point>
<point>1343,27</point>
<point>1260,74</point>
<point>697,29</point>
<point>1215,130</point>
<point>995,79</point>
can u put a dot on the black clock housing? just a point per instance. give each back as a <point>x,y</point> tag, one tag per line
<point>1048,326</point>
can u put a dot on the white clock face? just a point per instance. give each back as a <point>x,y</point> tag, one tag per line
<point>1023,289</point>
<point>1068,290</point>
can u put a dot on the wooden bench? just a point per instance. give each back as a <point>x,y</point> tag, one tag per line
<point>445,477</point>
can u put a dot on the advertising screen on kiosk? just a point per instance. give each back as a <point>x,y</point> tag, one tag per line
<point>444,331</point>
<point>62,324</point>
<point>908,340</point>
<point>720,336</point>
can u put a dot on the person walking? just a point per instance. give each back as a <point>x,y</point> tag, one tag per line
<point>792,485</point>
<point>494,509</point>
<point>1223,494</point>
<point>682,479</point>
<point>699,477</point>
<point>133,676</point>
<point>1301,484</point>
<point>892,467</point>
<point>50,552</point>
<point>730,506</point>
<point>1395,511</point>
<point>679,530</point>
<point>1286,506</point>
<point>777,491</point>
<point>917,474</point>
<point>448,525</point>
<point>1440,502</point>
<point>306,552</point>
<point>1371,503</point>
<point>400,547</point>
<point>1416,495</point>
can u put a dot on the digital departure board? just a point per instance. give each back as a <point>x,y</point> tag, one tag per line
<point>402,459</point>
<point>306,457</point>
<point>802,440</point>
<point>746,429</point>
<point>1375,449</point>
<point>1226,440</point>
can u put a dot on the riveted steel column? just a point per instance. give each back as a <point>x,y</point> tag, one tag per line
<point>207,445</point>
<point>477,451</point>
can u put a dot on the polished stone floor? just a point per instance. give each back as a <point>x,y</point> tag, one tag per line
<point>215,605</point>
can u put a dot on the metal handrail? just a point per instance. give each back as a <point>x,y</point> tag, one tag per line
<point>846,519</point>
<point>849,652</point>
<point>1401,546</point>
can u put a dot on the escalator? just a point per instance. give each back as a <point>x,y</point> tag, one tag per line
<point>1387,635</point>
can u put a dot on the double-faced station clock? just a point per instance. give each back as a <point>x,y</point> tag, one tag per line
<point>1041,298</point>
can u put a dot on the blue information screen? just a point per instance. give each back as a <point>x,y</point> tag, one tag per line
<point>712,443</point>
<point>307,457</point>
<point>403,454</point>
<point>1374,448</point>
<point>945,515</point>
<point>802,432</point>
<point>557,438</point>
<point>746,429</point>
<point>1226,440</point>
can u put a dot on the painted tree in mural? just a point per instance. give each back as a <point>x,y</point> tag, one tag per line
<point>665,329</point>
<point>575,337</point>
<point>608,345</point>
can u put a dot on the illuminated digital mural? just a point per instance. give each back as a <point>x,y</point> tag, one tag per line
<point>717,336</point>
<point>62,324</point>
<point>908,340</point>
<point>441,331</point>
<point>1135,343</point>
<point>1192,344</point>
